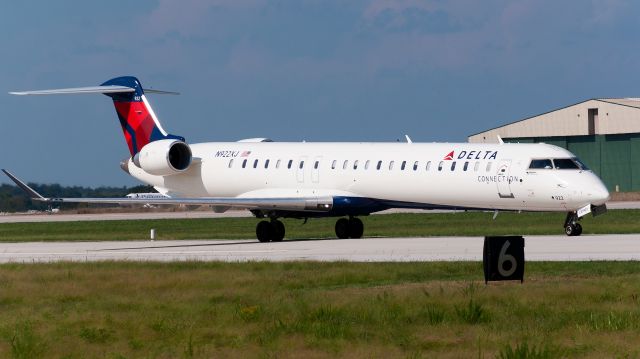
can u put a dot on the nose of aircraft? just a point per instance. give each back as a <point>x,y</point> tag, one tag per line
<point>597,192</point>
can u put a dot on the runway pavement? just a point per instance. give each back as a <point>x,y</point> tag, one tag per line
<point>62,217</point>
<point>537,248</point>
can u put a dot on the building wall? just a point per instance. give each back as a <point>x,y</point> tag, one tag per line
<point>615,158</point>
<point>570,121</point>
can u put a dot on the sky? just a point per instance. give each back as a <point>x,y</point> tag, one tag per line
<point>331,70</point>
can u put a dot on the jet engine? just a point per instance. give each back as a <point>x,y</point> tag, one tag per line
<point>164,157</point>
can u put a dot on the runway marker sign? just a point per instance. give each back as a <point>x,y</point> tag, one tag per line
<point>503,258</point>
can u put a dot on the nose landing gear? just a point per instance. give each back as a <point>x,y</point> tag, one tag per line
<point>571,226</point>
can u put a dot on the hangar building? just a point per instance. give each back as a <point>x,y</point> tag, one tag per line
<point>604,133</point>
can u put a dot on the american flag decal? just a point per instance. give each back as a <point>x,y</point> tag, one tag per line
<point>245,153</point>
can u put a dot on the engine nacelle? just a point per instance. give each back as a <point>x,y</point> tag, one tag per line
<point>164,157</point>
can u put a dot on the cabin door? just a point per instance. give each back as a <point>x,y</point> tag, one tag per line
<point>503,180</point>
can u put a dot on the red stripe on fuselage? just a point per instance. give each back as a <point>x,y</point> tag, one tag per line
<point>139,119</point>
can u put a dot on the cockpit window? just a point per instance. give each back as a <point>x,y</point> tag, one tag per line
<point>541,164</point>
<point>583,166</point>
<point>565,164</point>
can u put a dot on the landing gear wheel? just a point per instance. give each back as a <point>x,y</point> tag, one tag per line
<point>571,226</point>
<point>578,229</point>
<point>356,228</point>
<point>278,230</point>
<point>342,228</point>
<point>570,230</point>
<point>264,231</point>
<point>573,229</point>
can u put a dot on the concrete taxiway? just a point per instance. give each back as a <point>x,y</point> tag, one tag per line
<point>537,248</point>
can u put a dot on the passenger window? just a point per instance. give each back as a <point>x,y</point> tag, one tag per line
<point>244,163</point>
<point>315,165</point>
<point>230,163</point>
<point>345,164</point>
<point>440,165</point>
<point>278,164</point>
<point>453,165</point>
<point>333,164</point>
<point>379,165</point>
<point>255,164</point>
<point>266,164</point>
<point>366,165</point>
<point>488,166</point>
<point>466,165</point>
<point>476,166</point>
<point>289,164</point>
<point>415,166</point>
<point>301,165</point>
<point>391,165</point>
<point>428,165</point>
<point>541,164</point>
<point>404,163</point>
<point>355,164</point>
<point>565,164</point>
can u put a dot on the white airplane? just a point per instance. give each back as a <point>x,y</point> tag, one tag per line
<point>305,180</point>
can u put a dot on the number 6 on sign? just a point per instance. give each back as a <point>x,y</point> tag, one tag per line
<point>503,258</point>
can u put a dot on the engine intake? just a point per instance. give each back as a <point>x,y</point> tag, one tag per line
<point>164,157</point>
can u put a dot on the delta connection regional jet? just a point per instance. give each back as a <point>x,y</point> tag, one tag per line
<point>347,180</point>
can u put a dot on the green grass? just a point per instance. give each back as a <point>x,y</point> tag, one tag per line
<point>388,225</point>
<point>317,310</point>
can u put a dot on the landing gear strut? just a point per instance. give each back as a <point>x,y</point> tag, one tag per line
<point>349,228</point>
<point>571,226</point>
<point>270,231</point>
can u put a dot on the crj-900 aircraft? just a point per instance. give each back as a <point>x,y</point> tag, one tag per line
<point>348,180</point>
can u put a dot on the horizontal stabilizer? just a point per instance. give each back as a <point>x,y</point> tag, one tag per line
<point>105,89</point>
<point>77,90</point>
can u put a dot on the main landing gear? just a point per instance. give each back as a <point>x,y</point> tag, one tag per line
<point>349,228</point>
<point>270,231</point>
<point>571,226</point>
<point>273,230</point>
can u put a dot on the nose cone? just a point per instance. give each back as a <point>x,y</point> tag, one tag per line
<point>597,192</point>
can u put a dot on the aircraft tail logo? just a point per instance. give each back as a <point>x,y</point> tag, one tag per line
<point>139,123</point>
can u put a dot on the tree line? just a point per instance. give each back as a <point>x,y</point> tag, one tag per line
<point>13,199</point>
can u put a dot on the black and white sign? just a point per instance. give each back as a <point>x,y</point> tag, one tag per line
<point>503,258</point>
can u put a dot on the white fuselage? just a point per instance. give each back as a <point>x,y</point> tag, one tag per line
<point>475,176</point>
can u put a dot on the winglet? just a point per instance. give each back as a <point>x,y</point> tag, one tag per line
<point>30,191</point>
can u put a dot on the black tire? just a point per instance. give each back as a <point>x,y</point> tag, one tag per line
<point>264,231</point>
<point>571,230</point>
<point>578,229</point>
<point>356,228</point>
<point>342,228</point>
<point>278,230</point>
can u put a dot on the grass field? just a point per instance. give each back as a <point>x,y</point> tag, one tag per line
<point>317,310</point>
<point>388,225</point>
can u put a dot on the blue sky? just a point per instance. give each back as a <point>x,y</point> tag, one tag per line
<point>332,70</point>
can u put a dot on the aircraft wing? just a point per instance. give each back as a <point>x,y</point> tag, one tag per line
<point>307,204</point>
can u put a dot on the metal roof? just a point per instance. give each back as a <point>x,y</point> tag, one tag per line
<point>627,102</point>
